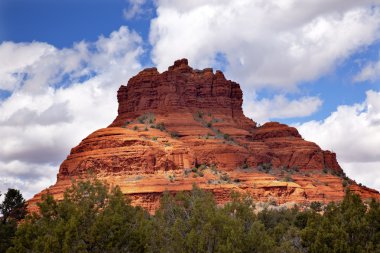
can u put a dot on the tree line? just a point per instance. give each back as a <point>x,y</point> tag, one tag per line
<point>95,218</point>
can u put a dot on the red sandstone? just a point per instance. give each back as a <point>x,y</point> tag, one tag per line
<point>183,118</point>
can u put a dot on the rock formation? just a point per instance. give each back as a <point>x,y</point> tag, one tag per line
<point>186,126</point>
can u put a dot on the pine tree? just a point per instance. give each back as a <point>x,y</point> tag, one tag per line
<point>13,209</point>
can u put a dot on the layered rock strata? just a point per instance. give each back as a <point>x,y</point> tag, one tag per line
<point>186,126</point>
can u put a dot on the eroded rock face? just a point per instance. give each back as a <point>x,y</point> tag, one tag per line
<point>186,126</point>
<point>180,89</point>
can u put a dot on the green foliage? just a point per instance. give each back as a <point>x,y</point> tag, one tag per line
<point>265,167</point>
<point>197,170</point>
<point>187,172</point>
<point>13,210</point>
<point>161,126</point>
<point>316,206</point>
<point>142,119</point>
<point>174,135</point>
<point>288,178</point>
<point>199,115</point>
<point>334,172</point>
<point>225,177</point>
<point>147,118</point>
<point>295,168</point>
<point>214,169</point>
<point>94,218</point>
<point>13,206</point>
<point>245,165</point>
<point>171,178</point>
<point>7,232</point>
<point>346,227</point>
<point>90,218</point>
<point>203,166</point>
<point>191,222</point>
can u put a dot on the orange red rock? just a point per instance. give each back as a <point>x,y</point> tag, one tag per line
<point>186,126</point>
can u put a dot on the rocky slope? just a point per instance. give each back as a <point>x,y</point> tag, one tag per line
<point>186,126</point>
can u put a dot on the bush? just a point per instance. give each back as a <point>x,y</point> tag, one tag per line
<point>316,206</point>
<point>13,211</point>
<point>295,168</point>
<point>174,135</point>
<point>225,177</point>
<point>288,178</point>
<point>94,218</point>
<point>265,167</point>
<point>203,166</point>
<point>142,119</point>
<point>272,202</point>
<point>245,165</point>
<point>214,169</point>
<point>79,223</point>
<point>161,126</point>
<point>146,118</point>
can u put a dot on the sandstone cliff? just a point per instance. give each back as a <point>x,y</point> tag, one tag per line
<point>186,126</point>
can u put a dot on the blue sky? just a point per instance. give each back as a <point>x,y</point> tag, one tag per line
<point>61,23</point>
<point>311,64</point>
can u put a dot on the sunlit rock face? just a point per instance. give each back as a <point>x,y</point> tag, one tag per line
<point>186,126</point>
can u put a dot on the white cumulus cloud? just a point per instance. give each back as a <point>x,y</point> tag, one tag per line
<point>370,72</point>
<point>353,132</point>
<point>58,97</point>
<point>136,8</point>
<point>264,42</point>
<point>280,107</point>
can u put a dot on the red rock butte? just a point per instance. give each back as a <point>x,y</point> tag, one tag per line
<point>186,126</point>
